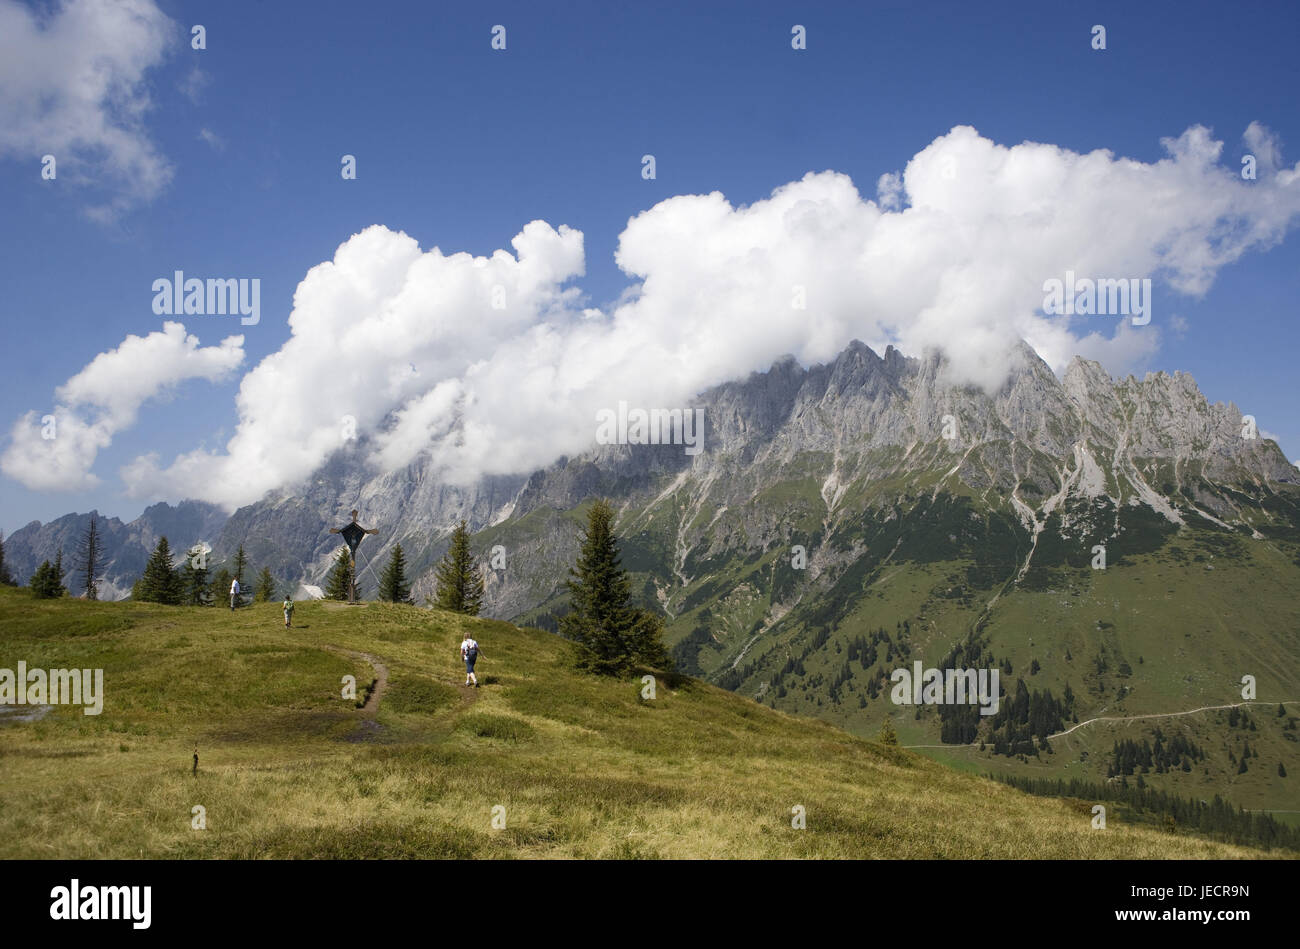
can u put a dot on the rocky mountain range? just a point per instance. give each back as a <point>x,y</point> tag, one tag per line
<point>843,438</point>
<point>125,546</point>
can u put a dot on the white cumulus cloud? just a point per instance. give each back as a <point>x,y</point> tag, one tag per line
<point>104,398</point>
<point>381,328</point>
<point>497,365</point>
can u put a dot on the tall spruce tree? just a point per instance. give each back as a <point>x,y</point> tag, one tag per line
<point>88,560</point>
<point>194,577</point>
<point>265,586</point>
<point>241,567</point>
<point>613,636</point>
<point>339,581</point>
<point>160,582</point>
<point>393,585</point>
<point>59,573</point>
<point>6,579</point>
<point>460,582</point>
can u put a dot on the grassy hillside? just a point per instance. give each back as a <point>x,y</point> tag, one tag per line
<point>1172,624</point>
<point>583,767</point>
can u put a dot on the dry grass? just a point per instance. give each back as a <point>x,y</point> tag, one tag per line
<point>582,767</point>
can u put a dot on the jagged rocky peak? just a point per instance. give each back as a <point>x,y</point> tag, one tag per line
<point>124,547</point>
<point>1083,375</point>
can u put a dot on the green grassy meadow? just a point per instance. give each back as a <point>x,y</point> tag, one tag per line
<point>540,762</point>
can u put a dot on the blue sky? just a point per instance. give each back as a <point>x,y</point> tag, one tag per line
<point>460,146</point>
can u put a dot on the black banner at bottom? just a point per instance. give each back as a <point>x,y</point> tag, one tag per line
<point>348,899</point>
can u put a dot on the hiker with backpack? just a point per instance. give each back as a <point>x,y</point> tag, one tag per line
<point>469,650</point>
<point>234,594</point>
<point>288,611</point>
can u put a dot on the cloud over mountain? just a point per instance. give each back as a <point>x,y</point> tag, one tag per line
<point>494,364</point>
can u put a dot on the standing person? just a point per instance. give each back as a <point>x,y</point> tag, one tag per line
<point>469,651</point>
<point>234,593</point>
<point>288,611</point>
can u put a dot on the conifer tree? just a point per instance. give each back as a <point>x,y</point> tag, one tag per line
<point>265,586</point>
<point>339,582</point>
<point>219,590</point>
<point>887,734</point>
<point>160,582</point>
<point>194,577</point>
<point>393,585</point>
<point>241,565</point>
<point>5,578</point>
<point>612,634</point>
<point>460,582</point>
<point>45,582</point>
<point>88,560</point>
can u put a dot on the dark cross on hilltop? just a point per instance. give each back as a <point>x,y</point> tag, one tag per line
<point>352,535</point>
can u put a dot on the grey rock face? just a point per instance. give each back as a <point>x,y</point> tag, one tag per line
<point>124,547</point>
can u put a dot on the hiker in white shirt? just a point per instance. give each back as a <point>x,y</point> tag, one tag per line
<point>469,650</point>
<point>234,593</point>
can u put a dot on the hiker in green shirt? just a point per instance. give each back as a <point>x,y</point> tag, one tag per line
<point>288,611</point>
